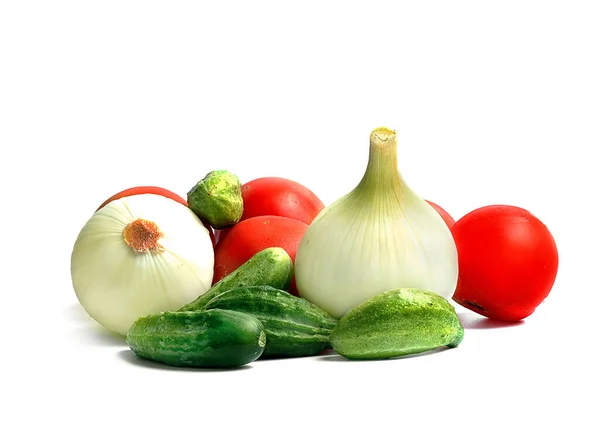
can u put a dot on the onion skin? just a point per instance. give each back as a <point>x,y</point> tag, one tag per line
<point>155,190</point>
<point>171,265</point>
<point>378,237</point>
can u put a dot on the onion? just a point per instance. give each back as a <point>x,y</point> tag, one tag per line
<point>138,255</point>
<point>378,237</point>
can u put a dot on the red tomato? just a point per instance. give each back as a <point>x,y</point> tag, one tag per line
<point>507,261</point>
<point>442,212</point>
<point>280,197</point>
<point>140,190</point>
<point>250,236</point>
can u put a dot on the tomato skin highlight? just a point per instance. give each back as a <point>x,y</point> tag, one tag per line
<point>508,262</point>
<point>250,236</point>
<point>155,190</point>
<point>277,196</point>
<point>443,213</point>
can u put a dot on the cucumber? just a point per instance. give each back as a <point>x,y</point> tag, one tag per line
<point>395,323</point>
<point>294,327</point>
<point>215,338</point>
<point>271,266</point>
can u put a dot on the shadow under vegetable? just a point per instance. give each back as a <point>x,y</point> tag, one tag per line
<point>472,321</point>
<point>128,356</point>
<point>335,357</point>
<point>88,331</point>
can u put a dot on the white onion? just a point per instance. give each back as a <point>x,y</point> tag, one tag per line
<point>117,282</point>
<point>378,237</point>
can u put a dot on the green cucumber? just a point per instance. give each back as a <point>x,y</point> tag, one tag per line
<point>294,327</point>
<point>217,199</point>
<point>395,323</point>
<point>215,338</point>
<point>271,266</point>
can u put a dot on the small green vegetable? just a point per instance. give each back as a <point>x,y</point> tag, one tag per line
<point>217,199</point>
<point>271,266</point>
<point>294,327</point>
<point>215,338</point>
<point>395,323</point>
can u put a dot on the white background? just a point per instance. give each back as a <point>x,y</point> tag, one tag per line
<point>494,102</point>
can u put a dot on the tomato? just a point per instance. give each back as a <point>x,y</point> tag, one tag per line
<point>250,236</point>
<point>507,261</point>
<point>442,212</point>
<point>280,197</point>
<point>140,190</point>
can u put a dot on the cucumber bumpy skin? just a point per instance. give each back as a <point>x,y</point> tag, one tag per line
<point>395,323</point>
<point>294,326</point>
<point>217,199</point>
<point>272,266</point>
<point>215,338</point>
